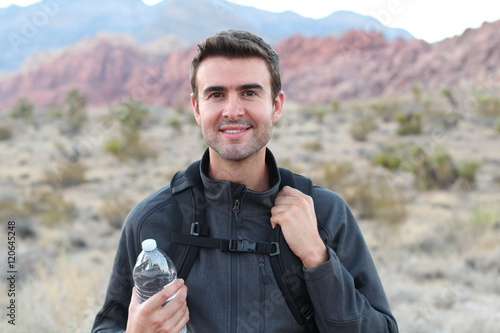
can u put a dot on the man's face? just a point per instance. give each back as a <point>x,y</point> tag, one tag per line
<point>235,108</point>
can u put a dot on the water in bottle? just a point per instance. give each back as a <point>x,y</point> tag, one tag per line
<point>153,271</point>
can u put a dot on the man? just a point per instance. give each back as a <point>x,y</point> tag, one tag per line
<point>236,99</point>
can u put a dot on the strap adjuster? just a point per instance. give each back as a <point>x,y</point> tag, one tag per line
<point>275,248</point>
<point>242,245</point>
<point>195,229</point>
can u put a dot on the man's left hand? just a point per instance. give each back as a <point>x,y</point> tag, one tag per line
<point>294,212</point>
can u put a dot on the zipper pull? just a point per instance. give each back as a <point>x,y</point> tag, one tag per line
<point>236,207</point>
<point>264,275</point>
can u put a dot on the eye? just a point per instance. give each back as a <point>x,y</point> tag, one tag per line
<point>250,93</point>
<point>216,95</point>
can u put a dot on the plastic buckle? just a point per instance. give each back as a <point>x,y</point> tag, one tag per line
<point>242,245</point>
<point>275,249</point>
<point>195,230</point>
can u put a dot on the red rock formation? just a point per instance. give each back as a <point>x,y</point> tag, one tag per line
<point>315,69</point>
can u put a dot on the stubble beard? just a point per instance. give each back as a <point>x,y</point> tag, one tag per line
<point>237,151</point>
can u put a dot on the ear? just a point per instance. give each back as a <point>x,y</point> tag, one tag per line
<point>196,109</point>
<point>278,106</point>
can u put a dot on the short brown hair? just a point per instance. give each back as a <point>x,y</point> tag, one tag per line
<point>237,44</point>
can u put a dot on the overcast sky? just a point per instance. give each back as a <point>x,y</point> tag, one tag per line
<point>430,20</point>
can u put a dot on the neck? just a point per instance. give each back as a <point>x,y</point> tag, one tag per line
<point>251,172</point>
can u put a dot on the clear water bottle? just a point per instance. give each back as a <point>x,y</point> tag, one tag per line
<point>153,271</point>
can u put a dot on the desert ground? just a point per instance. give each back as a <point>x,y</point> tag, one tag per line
<point>437,249</point>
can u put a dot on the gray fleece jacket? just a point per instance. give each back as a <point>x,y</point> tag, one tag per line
<point>237,292</point>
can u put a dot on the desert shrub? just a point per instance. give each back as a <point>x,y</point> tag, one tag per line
<point>5,132</point>
<point>175,123</point>
<point>410,123</point>
<point>320,113</point>
<point>446,172</point>
<point>361,127</point>
<point>374,197</point>
<point>335,176</point>
<point>487,105</point>
<point>23,109</point>
<point>390,158</point>
<point>114,146</point>
<point>132,116</point>
<point>448,94</point>
<point>496,126</point>
<point>313,146</point>
<point>49,206</point>
<point>66,174</point>
<point>10,210</point>
<point>435,171</point>
<point>71,296</point>
<point>114,210</point>
<point>467,170</point>
<point>386,110</point>
<point>483,217</point>
<point>75,113</point>
<point>335,105</point>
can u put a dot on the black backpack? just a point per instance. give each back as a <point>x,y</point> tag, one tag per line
<point>192,233</point>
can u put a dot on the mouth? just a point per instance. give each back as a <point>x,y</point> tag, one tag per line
<point>234,131</point>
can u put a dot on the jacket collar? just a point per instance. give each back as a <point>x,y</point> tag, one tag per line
<point>224,192</point>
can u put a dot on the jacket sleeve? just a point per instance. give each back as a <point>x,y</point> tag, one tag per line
<point>148,219</point>
<point>112,317</point>
<point>346,291</point>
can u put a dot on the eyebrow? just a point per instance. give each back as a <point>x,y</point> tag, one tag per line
<point>247,86</point>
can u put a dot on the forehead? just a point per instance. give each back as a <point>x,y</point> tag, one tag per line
<point>225,71</point>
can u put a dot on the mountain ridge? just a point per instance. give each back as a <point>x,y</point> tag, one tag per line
<point>314,69</point>
<point>52,24</point>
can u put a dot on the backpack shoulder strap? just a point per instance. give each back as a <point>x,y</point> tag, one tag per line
<point>287,267</point>
<point>187,193</point>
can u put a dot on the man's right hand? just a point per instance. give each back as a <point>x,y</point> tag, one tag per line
<point>150,316</point>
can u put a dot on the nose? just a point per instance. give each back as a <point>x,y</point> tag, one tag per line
<point>233,108</point>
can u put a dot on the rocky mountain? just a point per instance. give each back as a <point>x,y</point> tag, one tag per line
<point>51,24</point>
<point>315,69</point>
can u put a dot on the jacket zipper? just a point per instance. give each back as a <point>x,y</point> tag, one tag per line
<point>236,206</point>
<point>234,272</point>
<point>262,296</point>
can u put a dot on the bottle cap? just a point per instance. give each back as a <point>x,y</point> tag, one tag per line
<point>149,245</point>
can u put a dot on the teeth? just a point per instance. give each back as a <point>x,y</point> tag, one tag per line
<point>233,131</point>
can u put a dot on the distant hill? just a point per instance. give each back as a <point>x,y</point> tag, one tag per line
<point>50,25</point>
<point>356,64</point>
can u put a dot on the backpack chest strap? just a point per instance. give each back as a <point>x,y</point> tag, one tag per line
<point>227,245</point>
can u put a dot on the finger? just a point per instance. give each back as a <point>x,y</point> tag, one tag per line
<point>161,297</point>
<point>178,307</point>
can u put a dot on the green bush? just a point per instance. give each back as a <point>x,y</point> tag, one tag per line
<point>50,207</point>
<point>175,123</point>
<point>487,105</point>
<point>435,171</point>
<point>389,159</point>
<point>386,109</point>
<point>373,197</point>
<point>132,116</point>
<point>5,132</point>
<point>66,174</point>
<point>114,210</point>
<point>361,127</point>
<point>313,146</point>
<point>23,109</point>
<point>75,114</point>
<point>496,127</point>
<point>467,173</point>
<point>409,123</point>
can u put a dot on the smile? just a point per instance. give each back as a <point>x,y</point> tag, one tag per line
<point>234,131</point>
